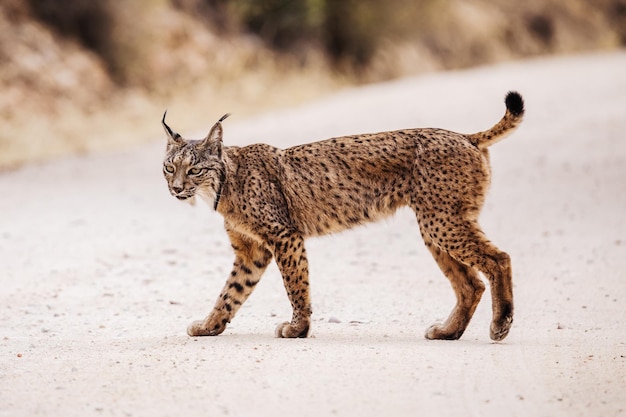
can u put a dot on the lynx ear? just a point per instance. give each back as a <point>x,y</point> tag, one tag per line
<point>213,141</point>
<point>172,137</point>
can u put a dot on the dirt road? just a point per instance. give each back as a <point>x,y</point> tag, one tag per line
<point>101,271</point>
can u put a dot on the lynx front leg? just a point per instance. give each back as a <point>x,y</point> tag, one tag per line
<point>291,259</point>
<point>251,260</point>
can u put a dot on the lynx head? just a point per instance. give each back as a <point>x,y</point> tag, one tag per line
<point>195,167</point>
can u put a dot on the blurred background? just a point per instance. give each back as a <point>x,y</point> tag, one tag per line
<point>82,76</point>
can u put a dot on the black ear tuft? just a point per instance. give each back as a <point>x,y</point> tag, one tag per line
<point>223,118</point>
<point>167,128</point>
<point>172,135</point>
<point>514,103</point>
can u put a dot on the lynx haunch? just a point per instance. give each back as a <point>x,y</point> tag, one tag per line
<point>273,199</point>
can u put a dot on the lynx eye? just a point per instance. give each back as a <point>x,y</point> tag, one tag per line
<point>169,169</point>
<point>194,171</point>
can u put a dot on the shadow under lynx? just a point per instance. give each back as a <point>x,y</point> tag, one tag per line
<point>272,199</point>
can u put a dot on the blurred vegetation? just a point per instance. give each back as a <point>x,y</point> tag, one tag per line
<point>80,66</point>
<point>348,32</point>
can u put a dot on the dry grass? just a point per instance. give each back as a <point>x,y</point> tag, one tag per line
<point>63,94</point>
<point>134,117</point>
<point>58,98</point>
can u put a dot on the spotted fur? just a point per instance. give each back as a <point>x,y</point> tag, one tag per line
<point>272,199</point>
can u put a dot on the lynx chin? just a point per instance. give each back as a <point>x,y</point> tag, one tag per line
<point>273,199</point>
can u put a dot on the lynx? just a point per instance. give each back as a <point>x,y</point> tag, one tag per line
<point>272,199</point>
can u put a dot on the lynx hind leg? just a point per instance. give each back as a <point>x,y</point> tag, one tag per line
<point>447,199</point>
<point>468,289</point>
<point>293,264</point>
<point>466,244</point>
<point>495,264</point>
<point>251,260</point>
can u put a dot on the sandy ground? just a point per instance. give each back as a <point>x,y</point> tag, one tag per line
<point>101,271</point>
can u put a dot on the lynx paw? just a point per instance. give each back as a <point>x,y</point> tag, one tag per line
<point>200,328</point>
<point>500,329</point>
<point>439,332</point>
<point>287,330</point>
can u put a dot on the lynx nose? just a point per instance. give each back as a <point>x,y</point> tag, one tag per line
<point>177,190</point>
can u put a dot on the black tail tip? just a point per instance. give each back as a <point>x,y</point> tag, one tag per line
<point>514,103</point>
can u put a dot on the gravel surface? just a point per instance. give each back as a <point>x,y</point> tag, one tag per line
<point>101,272</point>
